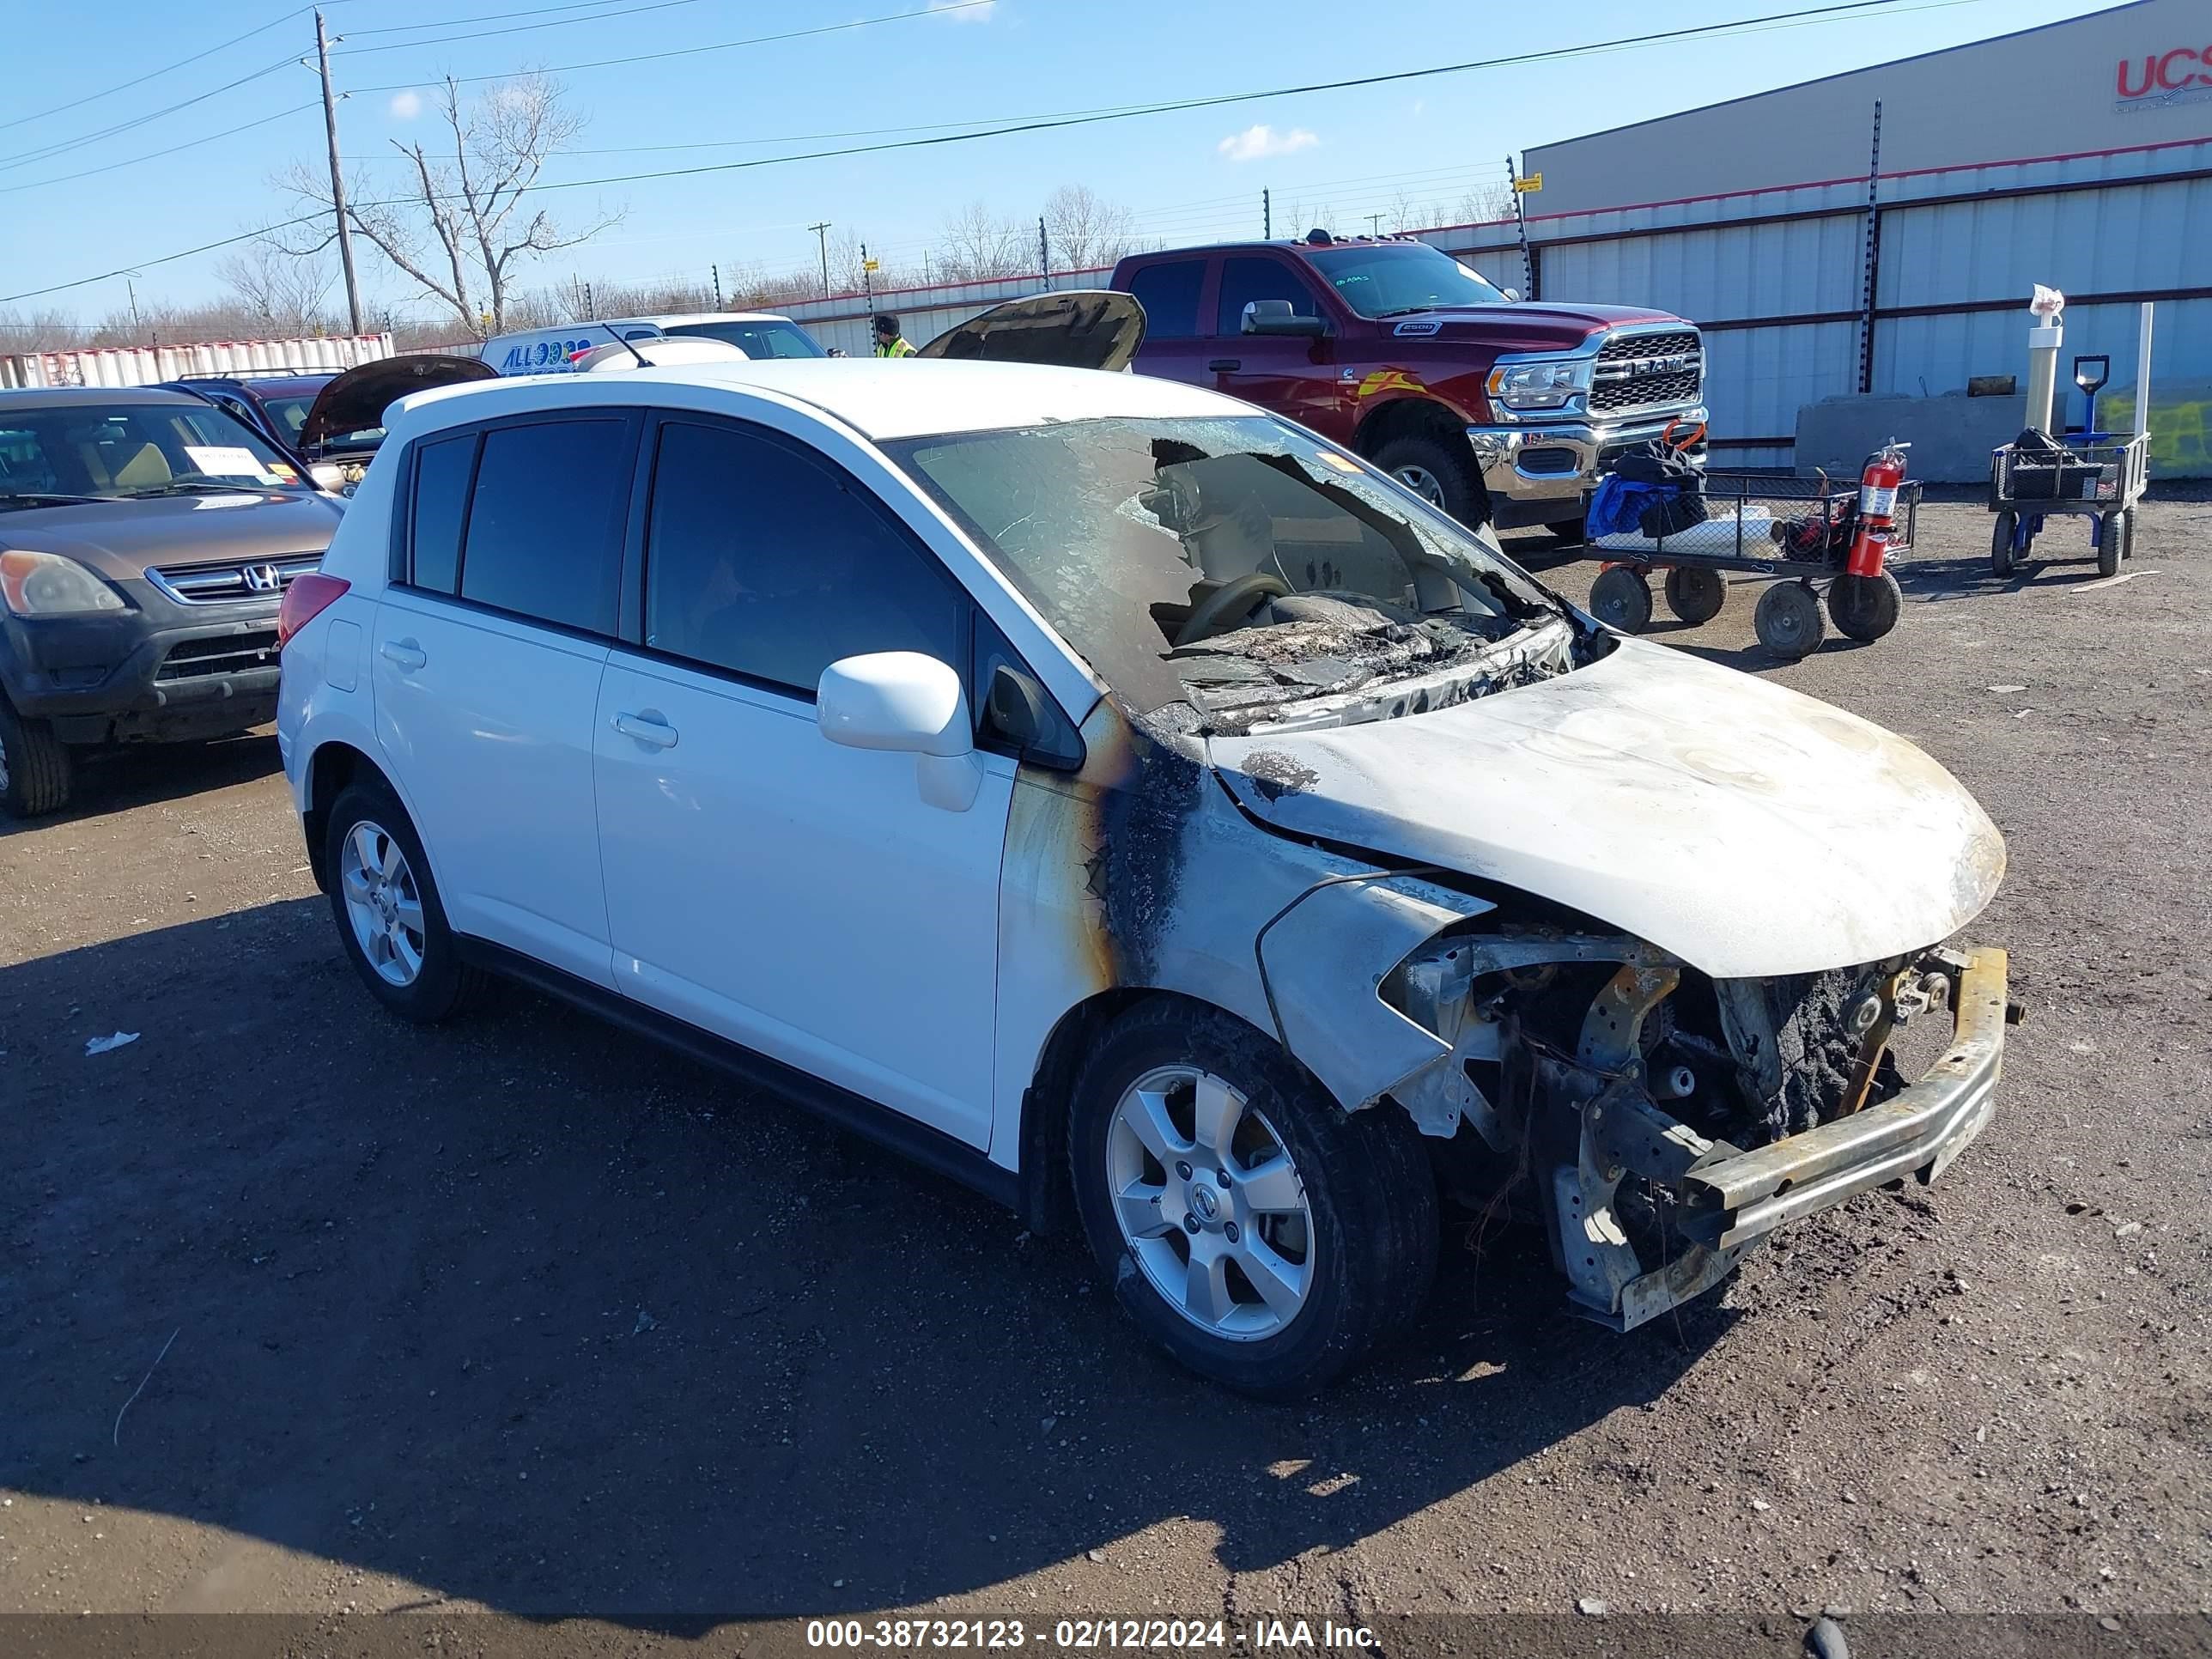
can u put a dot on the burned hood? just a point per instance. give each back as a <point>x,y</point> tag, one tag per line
<point>1085,328</point>
<point>355,400</point>
<point>1748,830</point>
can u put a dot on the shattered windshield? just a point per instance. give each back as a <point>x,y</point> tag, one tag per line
<point>1238,565</point>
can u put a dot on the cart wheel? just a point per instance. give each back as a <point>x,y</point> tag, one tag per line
<point>1865,607</point>
<point>2002,558</point>
<point>2111,543</point>
<point>1621,599</point>
<point>2128,542</point>
<point>1695,595</point>
<point>1787,620</point>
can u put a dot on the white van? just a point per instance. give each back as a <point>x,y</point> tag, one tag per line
<point>758,334</point>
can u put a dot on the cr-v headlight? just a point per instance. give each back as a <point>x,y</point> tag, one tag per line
<point>1539,385</point>
<point>48,585</point>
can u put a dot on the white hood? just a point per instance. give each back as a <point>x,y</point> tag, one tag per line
<point>1746,828</point>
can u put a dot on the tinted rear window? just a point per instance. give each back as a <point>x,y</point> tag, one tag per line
<point>545,528</point>
<point>1168,294</point>
<point>441,494</point>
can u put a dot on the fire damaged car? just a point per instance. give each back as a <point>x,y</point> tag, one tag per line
<point>1241,858</point>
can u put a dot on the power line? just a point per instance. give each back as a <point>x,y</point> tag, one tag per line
<point>1548,54</point>
<point>693,52</point>
<point>92,97</point>
<point>167,149</point>
<point>61,147</point>
<point>517,29</point>
<point>481,17</point>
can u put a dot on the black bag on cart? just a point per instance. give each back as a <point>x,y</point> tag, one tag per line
<point>1682,505</point>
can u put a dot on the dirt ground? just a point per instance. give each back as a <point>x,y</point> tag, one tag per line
<point>525,1315</point>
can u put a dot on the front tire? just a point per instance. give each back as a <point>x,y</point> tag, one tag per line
<point>1267,1238</point>
<point>35,766</point>
<point>1621,598</point>
<point>1865,608</point>
<point>2111,543</point>
<point>1787,620</point>
<point>1440,472</point>
<point>389,914</point>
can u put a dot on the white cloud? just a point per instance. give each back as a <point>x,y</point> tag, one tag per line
<point>405,106</point>
<point>1258,143</point>
<point>955,11</point>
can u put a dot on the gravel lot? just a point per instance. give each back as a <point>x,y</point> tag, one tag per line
<point>522,1314</point>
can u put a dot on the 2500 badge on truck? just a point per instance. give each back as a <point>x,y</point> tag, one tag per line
<point>1499,412</point>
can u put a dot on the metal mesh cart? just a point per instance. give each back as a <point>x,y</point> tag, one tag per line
<point>2091,477</point>
<point>1800,531</point>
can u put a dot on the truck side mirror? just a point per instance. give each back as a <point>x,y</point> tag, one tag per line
<point>1276,317</point>
<point>1512,293</point>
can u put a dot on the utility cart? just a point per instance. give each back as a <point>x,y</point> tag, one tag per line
<point>1806,532</point>
<point>2090,476</point>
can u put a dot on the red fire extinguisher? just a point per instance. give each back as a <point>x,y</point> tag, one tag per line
<point>1877,514</point>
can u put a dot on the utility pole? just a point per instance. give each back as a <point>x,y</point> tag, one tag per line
<point>822,238</point>
<point>1266,217</point>
<point>338,174</point>
<point>131,287</point>
<point>1374,224</point>
<point>1044,254</point>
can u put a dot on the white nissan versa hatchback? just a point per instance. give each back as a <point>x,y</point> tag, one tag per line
<point>1123,800</point>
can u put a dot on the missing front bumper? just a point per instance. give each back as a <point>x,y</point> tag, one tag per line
<point>1730,1200</point>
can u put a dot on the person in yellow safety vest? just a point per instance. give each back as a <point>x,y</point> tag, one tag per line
<point>889,343</point>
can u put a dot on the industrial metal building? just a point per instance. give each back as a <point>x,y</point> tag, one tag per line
<point>2078,155</point>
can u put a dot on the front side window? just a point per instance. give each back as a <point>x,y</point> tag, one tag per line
<point>546,521</point>
<point>1232,564</point>
<point>770,564</point>
<point>145,450</point>
<point>1244,280</point>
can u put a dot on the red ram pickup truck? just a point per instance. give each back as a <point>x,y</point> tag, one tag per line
<point>1494,410</point>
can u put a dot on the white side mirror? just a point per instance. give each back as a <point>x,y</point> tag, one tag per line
<point>1511,294</point>
<point>908,703</point>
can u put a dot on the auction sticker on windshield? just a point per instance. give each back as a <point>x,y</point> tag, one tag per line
<point>223,461</point>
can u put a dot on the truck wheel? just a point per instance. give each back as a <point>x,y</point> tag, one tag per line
<point>2002,558</point>
<point>389,914</point>
<point>2111,543</point>
<point>1440,472</point>
<point>1865,608</point>
<point>1787,620</point>
<point>1266,1237</point>
<point>35,766</point>
<point>1621,598</point>
<point>1695,595</point>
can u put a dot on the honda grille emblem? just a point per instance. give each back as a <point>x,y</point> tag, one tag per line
<point>262,578</point>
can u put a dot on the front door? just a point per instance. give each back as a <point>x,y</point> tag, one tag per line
<point>486,666</point>
<point>786,893</point>
<point>1294,375</point>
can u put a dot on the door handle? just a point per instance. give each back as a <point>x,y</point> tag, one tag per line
<point>404,655</point>
<point>646,728</point>
<point>1224,364</point>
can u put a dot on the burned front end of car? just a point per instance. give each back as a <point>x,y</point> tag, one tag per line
<point>1661,1122</point>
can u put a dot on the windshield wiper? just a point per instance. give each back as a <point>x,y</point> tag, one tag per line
<point>196,487</point>
<point>1404,311</point>
<point>45,498</point>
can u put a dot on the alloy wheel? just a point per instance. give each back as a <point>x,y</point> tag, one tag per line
<point>383,902</point>
<point>1423,483</point>
<point>1210,1204</point>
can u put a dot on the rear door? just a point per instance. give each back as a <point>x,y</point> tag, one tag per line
<point>1173,292</point>
<point>1292,374</point>
<point>487,664</point>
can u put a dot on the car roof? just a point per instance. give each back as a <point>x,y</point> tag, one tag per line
<point>265,385</point>
<point>94,397</point>
<point>885,399</point>
<point>666,318</point>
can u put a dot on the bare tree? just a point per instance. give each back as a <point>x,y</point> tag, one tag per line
<point>285,291</point>
<point>1484,205</point>
<point>1085,232</point>
<point>975,244</point>
<point>459,231</point>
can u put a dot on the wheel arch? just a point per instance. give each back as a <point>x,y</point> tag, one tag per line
<point>1402,416</point>
<point>334,765</point>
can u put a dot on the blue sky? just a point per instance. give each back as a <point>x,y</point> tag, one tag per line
<point>1186,175</point>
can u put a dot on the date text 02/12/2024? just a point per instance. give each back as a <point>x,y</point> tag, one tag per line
<point>1079,1635</point>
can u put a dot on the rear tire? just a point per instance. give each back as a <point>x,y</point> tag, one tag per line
<point>393,925</point>
<point>1621,599</point>
<point>1787,620</point>
<point>1695,594</point>
<point>36,768</point>
<point>1865,608</point>
<point>1358,1196</point>
<point>1440,472</point>
<point>2002,558</point>
<point>2111,543</point>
